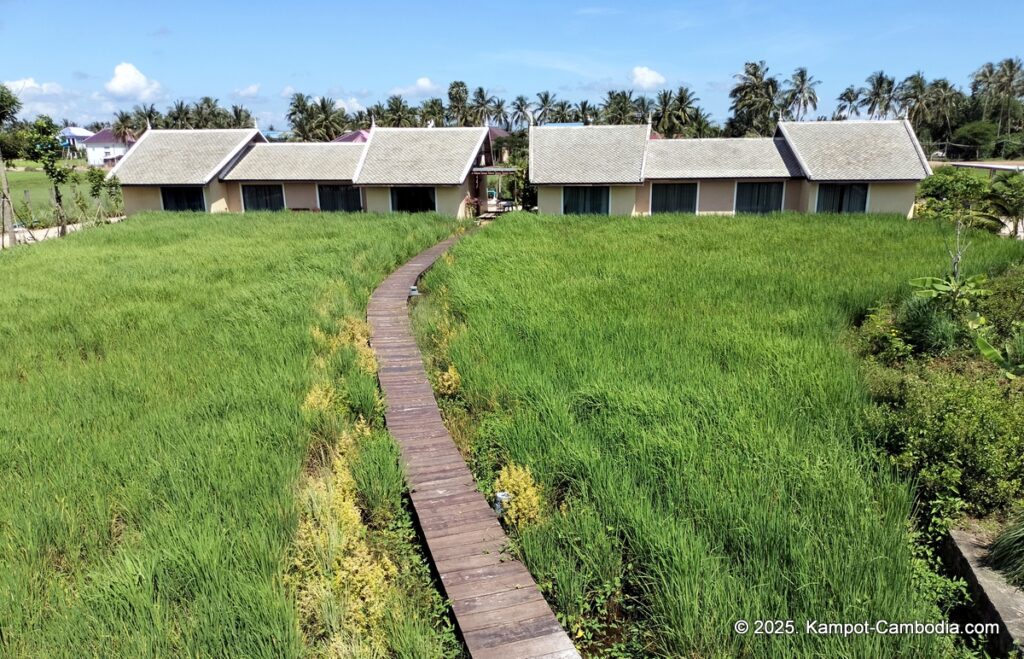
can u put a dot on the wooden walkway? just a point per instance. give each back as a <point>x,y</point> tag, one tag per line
<point>498,608</point>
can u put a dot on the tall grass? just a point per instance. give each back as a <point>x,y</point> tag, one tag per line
<point>152,433</point>
<point>679,387</point>
<point>1007,552</point>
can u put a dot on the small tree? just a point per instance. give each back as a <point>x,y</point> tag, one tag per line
<point>10,105</point>
<point>1005,199</point>
<point>45,147</point>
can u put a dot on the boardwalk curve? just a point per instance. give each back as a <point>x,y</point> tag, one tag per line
<point>498,608</point>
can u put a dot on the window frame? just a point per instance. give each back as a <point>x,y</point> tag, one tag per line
<point>589,188</point>
<point>736,197</point>
<point>848,186</point>
<point>696,197</point>
<point>180,188</point>
<point>350,188</point>
<point>246,209</point>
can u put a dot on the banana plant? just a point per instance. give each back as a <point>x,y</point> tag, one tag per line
<point>1011,363</point>
<point>952,291</point>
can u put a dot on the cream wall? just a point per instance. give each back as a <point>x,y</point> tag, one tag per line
<point>300,195</point>
<point>451,199</point>
<point>892,198</point>
<point>642,205</point>
<point>717,196</point>
<point>549,199</point>
<point>216,197</point>
<point>233,196</point>
<point>621,199</point>
<point>141,198</point>
<point>794,197</point>
<point>378,200</point>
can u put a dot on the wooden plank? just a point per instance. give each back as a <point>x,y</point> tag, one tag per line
<point>498,608</point>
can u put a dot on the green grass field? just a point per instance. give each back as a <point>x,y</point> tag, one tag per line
<point>173,388</point>
<point>680,389</point>
<point>40,195</point>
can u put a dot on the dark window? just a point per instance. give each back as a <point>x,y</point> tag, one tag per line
<point>585,200</point>
<point>842,198</point>
<point>340,198</point>
<point>674,198</point>
<point>412,200</point>
<point>183,199</point>
<point>758,197</point>
<point>262,197</point>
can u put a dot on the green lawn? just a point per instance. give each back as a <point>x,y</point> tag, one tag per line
<point>679,387</point>
<point>166,465</point>
<point>40,192</point>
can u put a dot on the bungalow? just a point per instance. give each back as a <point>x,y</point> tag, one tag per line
<point>396,169</point>
<point>180,169</point>
<point>843,166</point>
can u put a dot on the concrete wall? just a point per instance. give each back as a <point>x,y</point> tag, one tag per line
<point>549,199</point>
<point>795,196</point>
<point>642,205</point>
<point>233,196</point>
<point>216,197</point>
<point>141,198</point>
<point>892,198</point>
<point>378,200</point>
<point>621,200</point>
<point>300,195</point>
<point>717,197</point>
<point>451,199</point>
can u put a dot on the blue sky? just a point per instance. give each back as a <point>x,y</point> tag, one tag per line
<point>116,54</point>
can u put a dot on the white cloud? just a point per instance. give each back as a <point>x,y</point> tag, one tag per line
<point>287,91</point>
<point>48,98</point>
<point>647,78</point>
<point>130,83</point>
<point>422,87</point>
<point>28,88</point>
<point>250,91</point>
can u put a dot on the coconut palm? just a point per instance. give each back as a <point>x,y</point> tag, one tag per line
<point>585,112</point>
<point>849,103</point>
<point>327,120</point>
<point>499,113</point>
<point>241,117</point>
<point>912,99</point>
<point>178,115</point>
<point>701,125</point>
<point>480,105</point>
<point>643,108</point>
<point>755,100</point>
<point>146,117</point>
<point>618,108</point>
<point>545,103</point>
<point>522,111</point>
<point>124,127</point>
<point>664,117</point>
<point>983,83</point>
<point>684,107</point>
<point>207,113</point>
<point>879,97</point>
<point>432,112</point>
<point>799,94</point>
<point>398,113</point>
<point>1007,86</point>
<point>943,101</point>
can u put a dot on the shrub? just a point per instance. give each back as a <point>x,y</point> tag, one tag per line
<point>879,338</point>
<point>926,327</point>
<point>954,185</point>
<point>448,382</point>
<point>1007,552</point>
<point>962,433</point>
<point>524,505</point>
<point>1006,304</point>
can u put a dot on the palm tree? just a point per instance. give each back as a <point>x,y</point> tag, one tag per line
<point>458,96</point>
<point>880,95</point>
<point>755,100</point>
<point>241,117</point>
<point>178,115</point>
<point>207,113</point>
<point>499,113</point>
<point>585,112</point>
<point>479,110</point>
<point>618,108</point>
<point>522,111</point>
<point>1008,86</point>
<point>644,108</point>
<point>398,113</point>
<point>912,98</point>
<point>664,113</point>
<point>983,82</point>
<point>684,107</point>
<point>124,127</point>
<point>942,102</point>
<point>298,116</point>
<point>545,103</point>
<point>328,121</point>
<point>432,112</point>
<point>800,95</point>
<point>849,103</point>
<point>701,125</point>
<point>145,117</point>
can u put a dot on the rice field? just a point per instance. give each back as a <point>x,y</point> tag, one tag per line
<point>192,458</point>
<point>680,390</point>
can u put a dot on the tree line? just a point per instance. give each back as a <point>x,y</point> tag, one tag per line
<point>984,119</point>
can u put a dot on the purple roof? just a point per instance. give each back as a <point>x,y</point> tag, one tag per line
<point>494,132</point>
<point>355,137</point>
<point>105,136</point>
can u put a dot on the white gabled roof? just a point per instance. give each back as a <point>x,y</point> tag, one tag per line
<point>720,157</point>
<point>583,155</point>
<point>182,157</point>
<point>856,150</point>
<point>297,161</point>
<point>419,156</point>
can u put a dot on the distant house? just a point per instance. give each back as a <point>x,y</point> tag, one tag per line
<point>395,169</point>
<point>355,137</point>
<point>841,166</point>
<point>72,137</point>
<point>103,149</point>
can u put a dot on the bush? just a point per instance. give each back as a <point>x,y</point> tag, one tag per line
<point>524,505</point>
<point>928,328</point>
<point>952,184</point>
<point>879,338</point>
<point>1006,304</point>
<point>962,432</point>
<point>978,138</point>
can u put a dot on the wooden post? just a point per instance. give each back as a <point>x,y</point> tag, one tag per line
<point>6,209</point>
